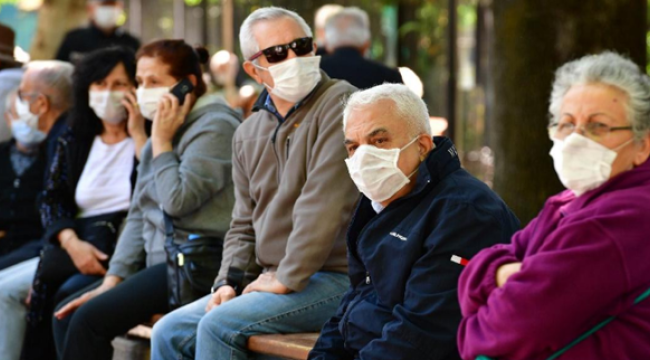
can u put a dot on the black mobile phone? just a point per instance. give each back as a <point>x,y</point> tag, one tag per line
<point>181,89</point>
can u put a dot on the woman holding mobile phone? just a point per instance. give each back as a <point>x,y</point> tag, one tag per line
<point>185,171</point>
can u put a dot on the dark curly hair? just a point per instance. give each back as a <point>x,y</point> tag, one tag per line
<point>95,66</point>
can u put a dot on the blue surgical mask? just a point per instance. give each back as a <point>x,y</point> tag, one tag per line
<point>25,127</point>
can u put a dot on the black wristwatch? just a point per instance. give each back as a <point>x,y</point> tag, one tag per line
<point>221,283</point>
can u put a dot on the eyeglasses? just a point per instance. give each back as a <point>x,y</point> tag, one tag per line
<point>22,95</point>
<point>594,130</point>
<point>277,53</point>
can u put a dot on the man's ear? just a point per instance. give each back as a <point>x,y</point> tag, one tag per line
<point>251,70</point>
<point>44,104</point>
<point>643,151</point>
<point>425,145</point>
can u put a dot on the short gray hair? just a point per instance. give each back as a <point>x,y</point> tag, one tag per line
<point>54,79</point>
<point>247,42</point>
<point>611,69</point>
<point>349,27</point>
<point>408,106</point>
<point>324,13</point>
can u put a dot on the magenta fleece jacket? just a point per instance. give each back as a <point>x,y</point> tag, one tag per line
<point>583,259</point>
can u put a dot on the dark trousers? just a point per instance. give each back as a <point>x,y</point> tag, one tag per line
<point>25,252</point>
<point>87,333</point>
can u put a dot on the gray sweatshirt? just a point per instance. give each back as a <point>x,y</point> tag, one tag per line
<point>192,184</point>
<point>294,197</point>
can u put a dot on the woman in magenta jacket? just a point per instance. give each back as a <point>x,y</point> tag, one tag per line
<point>586,255</point>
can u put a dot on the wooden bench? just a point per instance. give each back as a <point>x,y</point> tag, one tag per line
<point>135,345</point>
<point>290,346</point>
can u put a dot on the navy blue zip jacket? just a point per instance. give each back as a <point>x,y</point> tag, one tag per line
<point>402,302</point>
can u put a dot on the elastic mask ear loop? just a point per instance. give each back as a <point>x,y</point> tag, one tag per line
<point>265,69</point>
<point>616,149</point>
<point>404,147</point>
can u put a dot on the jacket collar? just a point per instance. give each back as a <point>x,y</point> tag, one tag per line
<point>347,51</point>
<point>263,101</point>
<point>628,179</point>
<point>441,161</point>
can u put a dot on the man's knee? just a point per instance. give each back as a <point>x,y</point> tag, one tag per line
<point>163,330</point>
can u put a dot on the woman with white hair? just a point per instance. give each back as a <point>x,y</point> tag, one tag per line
<point>572,282</point>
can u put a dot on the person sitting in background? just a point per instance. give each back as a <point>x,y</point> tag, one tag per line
<point>584,258</point>
<point>10,74</point>
<point>40,108</point>
<point>283,269</point>
<point>185,172</point>
<point>320,19</point>
<point>348,40</point>
<point>87,193</point>
<point>44,95</point>
<point>230,87</point>
<point>419,212</point>
<point>22,169</point>
<point>102,32</point>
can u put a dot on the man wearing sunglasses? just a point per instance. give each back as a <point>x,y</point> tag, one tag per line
<point>284,265</point>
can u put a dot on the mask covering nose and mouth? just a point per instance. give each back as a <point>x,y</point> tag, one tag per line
<point>107,105</point>
<point>106,16</point>
<point>581,163</point>
<point>295,78</point>
<point>25,128</point>
<point>375,171</point>
<point>148,100</point>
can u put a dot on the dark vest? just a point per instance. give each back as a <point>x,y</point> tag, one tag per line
<point>19,215</point>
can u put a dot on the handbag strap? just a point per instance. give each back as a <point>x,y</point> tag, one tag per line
<point>582,337</point>
<point>169,229</point>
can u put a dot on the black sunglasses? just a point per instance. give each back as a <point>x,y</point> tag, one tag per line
<point>277,53</point>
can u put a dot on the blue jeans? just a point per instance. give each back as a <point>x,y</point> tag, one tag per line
<point>191,333</point>
<point>14,287</point>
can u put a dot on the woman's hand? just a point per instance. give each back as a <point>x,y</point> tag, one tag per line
<point>505,271</point>
<point>85,256</point>
<point>135,122</point>
<point>169,117</point>
<point>108,283</point>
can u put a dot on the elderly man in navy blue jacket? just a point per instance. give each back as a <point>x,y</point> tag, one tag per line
<point>420,217</point>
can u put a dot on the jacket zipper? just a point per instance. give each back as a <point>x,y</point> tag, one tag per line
<point>288,143</point>
<point>275,150</point>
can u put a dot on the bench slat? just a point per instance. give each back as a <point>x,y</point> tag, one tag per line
<point>290,346</point>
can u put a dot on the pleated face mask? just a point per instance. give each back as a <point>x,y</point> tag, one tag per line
<point>375,171</point>
<point>107,105</point>
<point>581,163</point>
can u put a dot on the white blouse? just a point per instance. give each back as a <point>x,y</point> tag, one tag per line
<point>105,183</point>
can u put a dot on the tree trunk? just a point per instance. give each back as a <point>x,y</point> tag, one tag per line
<point>55,19</point>
<point>531,39</point>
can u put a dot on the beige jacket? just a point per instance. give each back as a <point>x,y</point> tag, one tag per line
<point>293,195</point>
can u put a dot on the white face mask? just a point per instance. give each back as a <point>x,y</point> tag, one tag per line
<point>107,105</point>
<point>375,171</point>
<point>148,100</point>
<point>25,128</point>
<point>106,16</point>
<point>581,163</point>
<point>294,78</point>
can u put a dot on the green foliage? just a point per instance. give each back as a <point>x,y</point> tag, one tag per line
<point>198,2</point>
